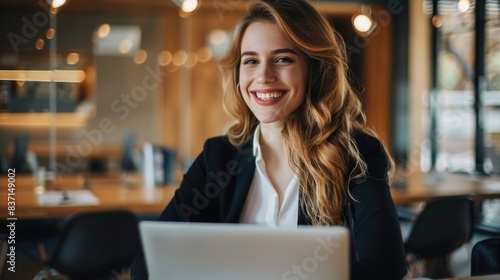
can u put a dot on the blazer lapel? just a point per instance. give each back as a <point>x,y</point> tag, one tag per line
<point>246,161</point>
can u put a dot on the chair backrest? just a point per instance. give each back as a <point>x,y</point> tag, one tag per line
<point>442,226</point>
<point>93,244</point>
<point>485,257</point>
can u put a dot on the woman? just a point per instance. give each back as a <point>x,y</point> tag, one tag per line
<point>299,150</point>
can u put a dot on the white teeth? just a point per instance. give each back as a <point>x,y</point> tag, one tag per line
<point>268,96</point>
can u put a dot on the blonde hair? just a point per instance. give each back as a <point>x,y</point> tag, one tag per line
<point>319,135</point>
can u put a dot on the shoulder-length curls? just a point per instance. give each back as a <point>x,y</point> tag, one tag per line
<point>319,135</point>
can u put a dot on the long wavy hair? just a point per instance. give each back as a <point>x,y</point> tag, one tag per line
<point>319,135</point>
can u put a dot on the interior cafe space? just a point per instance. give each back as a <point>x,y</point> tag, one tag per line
<point>106,104</point>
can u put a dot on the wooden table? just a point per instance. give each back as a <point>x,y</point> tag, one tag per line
<point>421,187</point>
<point>110,191</point>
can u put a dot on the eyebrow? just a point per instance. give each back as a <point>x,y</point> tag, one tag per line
<point>278,51</point>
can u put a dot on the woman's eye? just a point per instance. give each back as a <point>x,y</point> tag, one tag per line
<point>284,60</point>
<point>249,61</point>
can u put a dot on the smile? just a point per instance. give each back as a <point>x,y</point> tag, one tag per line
<point>268,96</point>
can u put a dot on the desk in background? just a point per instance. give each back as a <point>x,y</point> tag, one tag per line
<point>421,187</point>
<point>109,190</point>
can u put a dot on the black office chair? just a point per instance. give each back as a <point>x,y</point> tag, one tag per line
<point>444,225</point>
<point>96,245</point>
<point>485,257</point>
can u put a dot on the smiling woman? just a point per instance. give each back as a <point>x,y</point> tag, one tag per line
<point>299,148</point>
<point>272,75</point>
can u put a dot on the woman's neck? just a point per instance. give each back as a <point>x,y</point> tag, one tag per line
<point>270,135</point>
<point>271,139</point>
<point>275,157</point>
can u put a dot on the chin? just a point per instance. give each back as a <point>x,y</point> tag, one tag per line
<point>273,120</point>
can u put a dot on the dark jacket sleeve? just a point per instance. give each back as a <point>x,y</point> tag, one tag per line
<point>377,245</point>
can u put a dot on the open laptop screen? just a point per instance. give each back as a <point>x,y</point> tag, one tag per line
<point>235,251</point>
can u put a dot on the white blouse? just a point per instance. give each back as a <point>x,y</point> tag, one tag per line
<point>263,205</point>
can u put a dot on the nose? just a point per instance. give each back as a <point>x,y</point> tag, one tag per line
<point>265,74</point>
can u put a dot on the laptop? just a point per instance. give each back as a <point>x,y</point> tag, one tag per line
<point>206,251</point>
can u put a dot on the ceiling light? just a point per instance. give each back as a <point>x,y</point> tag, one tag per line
<point>463,5</point>
<point>363,22</point>
<point>189,5</point>
<point>56,3</point>
<point>186,6</point>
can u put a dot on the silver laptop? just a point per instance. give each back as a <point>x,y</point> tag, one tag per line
<point>199,251</point>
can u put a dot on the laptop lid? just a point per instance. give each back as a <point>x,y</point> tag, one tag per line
<point>244,252</point>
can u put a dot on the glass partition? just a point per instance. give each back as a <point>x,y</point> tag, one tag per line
<point>456,117</point>
<point>99,68</point>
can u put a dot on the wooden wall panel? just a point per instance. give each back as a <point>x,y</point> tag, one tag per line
<point>207,117</point>
<point>170,97</point>
<point>377,64</point>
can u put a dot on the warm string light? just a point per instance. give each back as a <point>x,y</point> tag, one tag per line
<point>39,44</point>
<point>204,54</point>
<point>180,57</point>
<point>103,31</point>
<point>140,56</point>
<point>72,58</point>
<point>50,33</point>
<point>165,58</point>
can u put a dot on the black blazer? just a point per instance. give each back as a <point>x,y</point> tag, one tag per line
<point>216,186</point>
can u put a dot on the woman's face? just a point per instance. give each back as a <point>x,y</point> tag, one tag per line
<point>272,73</point>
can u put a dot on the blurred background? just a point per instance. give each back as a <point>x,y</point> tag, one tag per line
<point>96,92</point>
<point>131,72</point>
